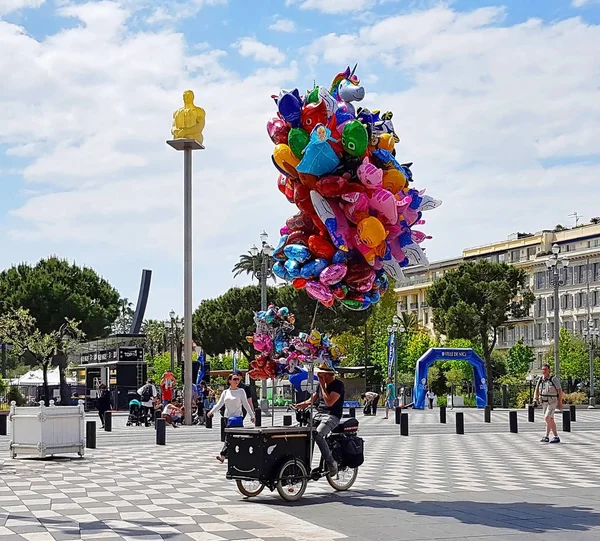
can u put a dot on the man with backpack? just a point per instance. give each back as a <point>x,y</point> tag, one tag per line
<point>147,394</point>
<point>549,392</point>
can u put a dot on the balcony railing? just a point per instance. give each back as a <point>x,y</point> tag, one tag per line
<point>414,305</point>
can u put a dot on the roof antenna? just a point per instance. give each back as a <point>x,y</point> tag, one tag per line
<point>576,216</point>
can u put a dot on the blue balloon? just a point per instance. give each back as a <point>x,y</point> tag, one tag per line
<point>299,378</point>
<point>297,252</point>
<point>340,257</point>
<point>278,252</point>
<point>319,158</point>
<point>284,311</point>
<point>280,270</point>
<point>293,268</point>
<point>312,269</point>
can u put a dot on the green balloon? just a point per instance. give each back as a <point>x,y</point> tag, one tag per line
<point>297,141</point>
<point>355,138</point>
<point>313,95</point>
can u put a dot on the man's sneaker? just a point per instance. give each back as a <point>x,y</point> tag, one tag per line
<point>545,439</point>
<point>332,468</point>
<point>555,439</point>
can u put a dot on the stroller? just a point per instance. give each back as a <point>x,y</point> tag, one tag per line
<point>135,413</point>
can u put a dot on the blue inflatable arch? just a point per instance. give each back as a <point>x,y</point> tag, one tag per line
<point>449,354</point>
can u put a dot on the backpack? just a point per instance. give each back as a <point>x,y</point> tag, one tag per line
<point>146,393</point>
<point>539,386</point>
<point>353,453</point>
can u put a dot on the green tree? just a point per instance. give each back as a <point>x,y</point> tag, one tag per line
<point>454,378</point>
<point>574,357</point>
<point>475,300</point>
<point>156,337</point>
<point>520,358</point>
<point>248,264</point>
<point>55,289</point>
<point>19,329</point>
<point>125,318</point>
<point>412,347</point>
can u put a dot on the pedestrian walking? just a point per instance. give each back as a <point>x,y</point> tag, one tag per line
<point>103,401</point>
<point>549,392</point>
<point>147,394</point>
<point>430,398</point>
<point>390,397</point>
<point>234,401</point>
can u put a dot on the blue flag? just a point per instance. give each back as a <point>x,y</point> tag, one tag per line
<point>391,354</point>
<point>201,360</point>
<point>234,362</point>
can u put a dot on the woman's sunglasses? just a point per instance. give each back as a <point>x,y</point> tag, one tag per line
<point>235,379</point>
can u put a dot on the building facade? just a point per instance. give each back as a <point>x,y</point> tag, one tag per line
<point>579,290</point>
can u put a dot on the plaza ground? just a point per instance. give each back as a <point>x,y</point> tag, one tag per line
<point>434,484</point>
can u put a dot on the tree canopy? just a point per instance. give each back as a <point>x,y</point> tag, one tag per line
<point>519,359</point>
<point>223,323</point>
<point>477,298</point>
<point>55,289</point>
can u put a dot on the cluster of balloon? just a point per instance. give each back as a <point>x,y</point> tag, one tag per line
<point>355,227</point>
<point>282,353</point>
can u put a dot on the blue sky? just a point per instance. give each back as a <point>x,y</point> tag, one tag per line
<point>496,103</point>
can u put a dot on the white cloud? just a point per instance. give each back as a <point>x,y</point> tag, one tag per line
<point>337,6</point>
<point>261,52</point>
<point>10,6</point>
<point>484,109</point>
<point>283,25</point>
<point>579,3</point>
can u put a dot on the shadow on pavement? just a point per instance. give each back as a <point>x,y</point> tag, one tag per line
<point>530,517</point>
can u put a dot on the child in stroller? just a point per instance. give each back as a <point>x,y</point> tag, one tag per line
<point>135,413</point>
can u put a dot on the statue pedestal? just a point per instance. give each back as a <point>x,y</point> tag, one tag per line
<point>183,144</point>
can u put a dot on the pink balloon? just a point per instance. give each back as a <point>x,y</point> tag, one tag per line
<point>333,274</point>
<point>285,230</point>
<point>319,291</point>
<point>386,206</point>
<point>370,175</point>
<point>357,207</point>
<point>396,250</point>
<point>278,131</point>
<point>419,236</point>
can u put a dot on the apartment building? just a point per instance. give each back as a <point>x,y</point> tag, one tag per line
<point>579,291</point>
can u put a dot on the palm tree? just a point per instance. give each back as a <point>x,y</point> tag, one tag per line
<point>409,321</point>
<point>595,220</point>
<point>250,264</point>
<point>123,322</point>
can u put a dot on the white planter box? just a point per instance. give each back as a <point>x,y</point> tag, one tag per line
<point>46,431</point>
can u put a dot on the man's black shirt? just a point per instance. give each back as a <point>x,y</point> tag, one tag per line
<point>336,409</point>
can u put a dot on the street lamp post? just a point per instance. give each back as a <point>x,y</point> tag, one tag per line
<point>392,329</point>
<point>172,337</point>
<point>591,333</point>
<point>266,255</point>
<point>554,264</point>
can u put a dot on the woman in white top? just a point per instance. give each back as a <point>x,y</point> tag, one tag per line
<point>233,399</point>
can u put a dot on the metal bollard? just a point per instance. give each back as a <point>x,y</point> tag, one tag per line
<point>108,421</point>
<point>352,412</point>
<point>398,415</point>
<point>207,420</point>
<point>90,434</point>
<point>161,431</point>
<point>566,424</point>
<point>487,414</point>
<point>530,413</point>
<point>258,417</point>
<point>573,410</point>
<point>157,415</point>
<point>404,424</point>
<point>443,415</point>
<point>287,420</point>
<point>3,424</point>
<point>223,427</point>
<point>512,421</point>
<point>460,422</point>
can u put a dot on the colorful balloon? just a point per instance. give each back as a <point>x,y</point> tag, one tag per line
<point>313,114</point>
<point>355,138</point>
<point>297,252</point>
<point>321,247</point>
<point>371,232</point>
<point>333,274</point>
<point>285,161</point>
<point>297,141</point>
<point>319,158</point>
<point>292,268</point>
<point>290,106</point>
<point>278,130</point>
<point>369,175</point>
<point>319,292</point>
<point>313,269</point>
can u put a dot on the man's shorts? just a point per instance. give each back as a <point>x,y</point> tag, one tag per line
<point>390,403</point>
<point>549,408</point>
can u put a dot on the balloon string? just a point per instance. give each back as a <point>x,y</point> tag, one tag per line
<point>312,325</point>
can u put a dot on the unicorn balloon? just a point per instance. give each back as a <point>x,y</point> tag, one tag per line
<point>346,88</point>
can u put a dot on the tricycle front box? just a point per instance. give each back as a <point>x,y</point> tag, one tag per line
<point>258,453</point>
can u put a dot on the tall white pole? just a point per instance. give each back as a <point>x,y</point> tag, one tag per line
<point>187,282</point>
<point>187,146</point>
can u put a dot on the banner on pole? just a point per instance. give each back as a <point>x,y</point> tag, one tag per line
<point>234,362</point>
<point>391,354</point>
<point>201,360</point>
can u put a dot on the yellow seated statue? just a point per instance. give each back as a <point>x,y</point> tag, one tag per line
<point>188,122</point>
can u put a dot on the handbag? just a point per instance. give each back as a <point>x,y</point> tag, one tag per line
<point>235,422</point>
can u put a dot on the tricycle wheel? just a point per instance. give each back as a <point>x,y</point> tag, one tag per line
<point>292,480</point>
<point>248,488</point>
<point>343,480</point>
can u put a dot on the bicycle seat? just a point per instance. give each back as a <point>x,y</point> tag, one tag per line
<point>348,425</point>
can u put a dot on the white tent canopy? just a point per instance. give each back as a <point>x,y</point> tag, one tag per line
<point>36,377</point>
